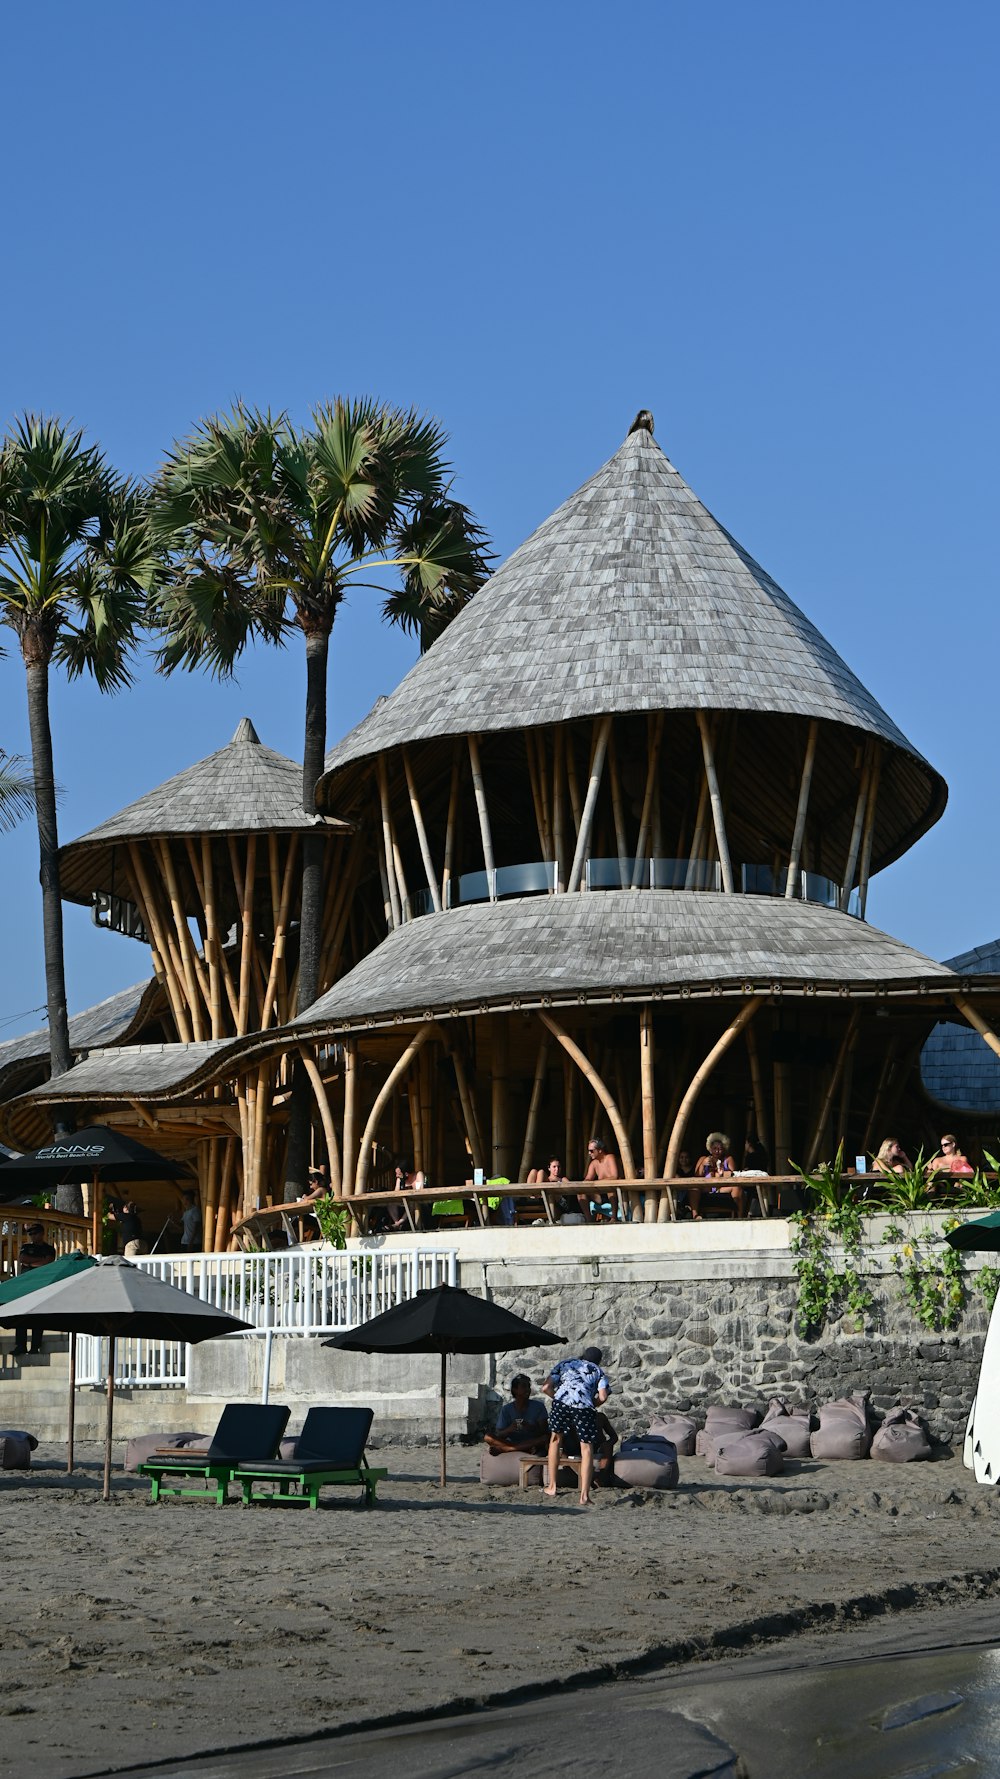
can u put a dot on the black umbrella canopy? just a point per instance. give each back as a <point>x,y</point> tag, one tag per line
<point>113,1297</point>
<point>95,1151</point>
<point>445,1320</point>
<point>982,1235</point>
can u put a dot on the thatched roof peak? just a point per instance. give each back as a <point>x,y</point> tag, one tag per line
<point>631,597</point>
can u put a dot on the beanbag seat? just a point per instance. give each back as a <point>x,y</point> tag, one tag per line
<point>902,1438</point>
<point>145,1446</point>
<point>504,1468</point>
<point>647,1462</point>
<point>16,1448</point>
<point>681,1431</point>
<point>845,1429</point>
<point>760,1452</point>
<point>719,1422</point>
<point>793,1424</point>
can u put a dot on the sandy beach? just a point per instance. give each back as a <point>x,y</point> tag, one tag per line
<point>134,1633</point>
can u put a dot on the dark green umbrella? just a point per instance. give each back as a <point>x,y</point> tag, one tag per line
<point>63,1268</point>
<point>982,1235</point>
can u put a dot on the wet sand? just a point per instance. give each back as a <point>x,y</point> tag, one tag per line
<point>134,1633</point>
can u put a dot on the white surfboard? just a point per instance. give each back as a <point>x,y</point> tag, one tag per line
<point>986,1414</point>
<point>967,1447</point>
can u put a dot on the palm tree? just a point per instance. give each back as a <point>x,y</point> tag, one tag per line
<point>270,526</point>
<point>17,791</point>
<point>76,568</point>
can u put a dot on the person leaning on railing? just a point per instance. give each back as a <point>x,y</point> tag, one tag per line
<point>716,1166</point>
<point>950,1161</point>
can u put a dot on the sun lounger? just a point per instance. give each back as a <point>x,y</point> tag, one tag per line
<point>248,1433</point>
<point>331,1449</point>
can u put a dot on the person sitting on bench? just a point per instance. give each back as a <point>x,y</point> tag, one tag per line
<point>522,1424</point>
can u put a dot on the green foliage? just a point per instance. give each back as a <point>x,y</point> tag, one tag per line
<point>933,1283</point>
<point>334,1219</point>
<point>827,1247</point>
<point>17,790</point>
<point>987,1280</point>
<point>906,1191</point>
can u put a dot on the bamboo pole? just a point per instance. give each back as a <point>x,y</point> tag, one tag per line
<point>654,737</point>
<point>475,762</point>
<point>715,797</point>
<point>647,1083</point>
<point>151,921</point>
<point>244,884</point>
<point>500,1132</point>
<point>384,1094</point>
<point>618,810</point>
<point>569,1109</point>
<point>602,733</point>
<point>869,833</point>
<point>261,1109</point>
<point>534,1106</point>
<point>847,1043</point>
<point>698,837</point>
<point>222,1217</point>
<point>859,816</point>
<point>318,1086</point>
<point>558,810</point>
<point>536,794</point>
<point>970,1012</point>
<point>449,832</point>
<point>214,1158</point>
<point>468,1104</point>
<point>426,1109</point>
<point>572,784</point>
<point>194,973</point>
<point>586,1068</point>
<point>801,811</point>
<point>701,1074</point>
<point>383,791</point>
<point>542,756</point>
<point>351,1080</point>
<point>212,947</point>
<point>422,841</point>
<point>757,1088</point>
<point>282,906</point>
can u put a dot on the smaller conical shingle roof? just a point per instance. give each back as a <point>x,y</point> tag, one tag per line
<point>243,787</point>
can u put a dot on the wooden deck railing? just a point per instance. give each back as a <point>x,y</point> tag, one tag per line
<point>64,1232</point>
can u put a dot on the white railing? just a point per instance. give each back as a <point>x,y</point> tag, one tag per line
<point>313,1291</point>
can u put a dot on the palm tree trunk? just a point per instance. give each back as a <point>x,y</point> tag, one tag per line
<point>68,1198</point>
<point>311,918</point>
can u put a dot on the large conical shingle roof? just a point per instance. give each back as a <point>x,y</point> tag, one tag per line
<point>631,597</point>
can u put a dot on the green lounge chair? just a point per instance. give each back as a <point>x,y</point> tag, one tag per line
<point>248,1433</point>
<point>330,1449</point>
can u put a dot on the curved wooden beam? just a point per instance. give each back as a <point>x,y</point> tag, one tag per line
<point>600,1088</point>
<point>601,736</point>
<point>326,1118</point>
<point>422,840</point>
<point>382,1098</point>
<point>978,1023</point>
<point>476,764</point>
<point>801,813</point>
<point>701,1074</point>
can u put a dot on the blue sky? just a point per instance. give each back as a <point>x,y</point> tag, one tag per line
<point>776,226</point>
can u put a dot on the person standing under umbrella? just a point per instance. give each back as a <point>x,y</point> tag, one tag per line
<point>36,1251</point>
<point>578,1388</point>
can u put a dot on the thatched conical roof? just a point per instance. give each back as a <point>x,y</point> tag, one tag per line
<point>243,787</point>
<point>631,597</point>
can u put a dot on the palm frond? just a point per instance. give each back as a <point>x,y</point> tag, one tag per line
<point>446,558</point>
<point>17,791</point>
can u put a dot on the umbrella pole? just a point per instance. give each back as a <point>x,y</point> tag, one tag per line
<point>110,1417</point>
<point>444,1383</point>
<point>72,1404</point>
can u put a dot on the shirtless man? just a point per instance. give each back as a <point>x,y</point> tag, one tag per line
<point>603,1166</point>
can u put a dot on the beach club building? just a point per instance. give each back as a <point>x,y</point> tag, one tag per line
<point>600,864</point>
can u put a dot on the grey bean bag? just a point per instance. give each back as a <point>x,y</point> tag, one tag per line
<point>679,1429</point>
<point>145,1445</point>
<point>647,1462</point>
<point>16,1449</point>
<point>845,1429</point>
<point>758,1453</point>
<point>505,1468</point>
<point>902,1438</point>
<point>724,1420</point>
<point>792,1423</point>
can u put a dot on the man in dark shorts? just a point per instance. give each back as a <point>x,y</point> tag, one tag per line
<point>36,1251</point>
<point>578,1388</point>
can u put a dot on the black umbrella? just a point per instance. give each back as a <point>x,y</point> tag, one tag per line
<point>91,1154</point>
<point>114,1297</point>
<point>982,1235</point>
<point>445,1320</point>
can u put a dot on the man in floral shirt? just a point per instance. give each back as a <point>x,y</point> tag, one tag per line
<point>578,1388</point>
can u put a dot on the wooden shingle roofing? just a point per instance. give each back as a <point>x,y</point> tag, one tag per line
<point>631,597</point>
<point>958,1071</point>
<point>243,787</point>
<point>598,945</point>
<point>109,1022</point>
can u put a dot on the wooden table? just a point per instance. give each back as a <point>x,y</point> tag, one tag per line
<point>530,1458</point>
